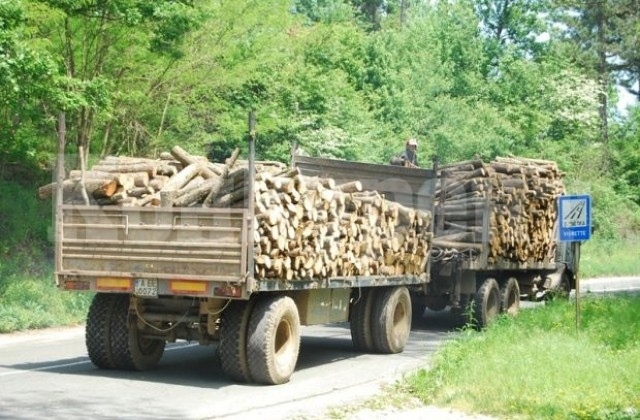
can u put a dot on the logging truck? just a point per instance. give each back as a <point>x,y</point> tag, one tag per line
<point>272,249</point>
<point>254,250</point>
<point>496,228</point>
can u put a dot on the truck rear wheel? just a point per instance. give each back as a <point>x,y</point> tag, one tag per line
<point>98,330</point>
<point>273,340</point>
<point>391,319</point>
<point>132,351</point>
<point>486,305</point>
<point>510,297</point>
<point>233,340</point>
<point>360,322</point>
<point>113,339</point>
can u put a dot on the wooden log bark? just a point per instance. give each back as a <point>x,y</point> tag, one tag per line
<point>210,171</point>
<point>181,179</point>
<point>94,187</point>
<point>220,181</point>
<point>195,195</point>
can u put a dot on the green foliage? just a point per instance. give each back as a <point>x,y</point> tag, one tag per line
<point>29,303</point>
<point>26,75</point>
<point>509,23</point>
<point>539,367</point>
<point>24,227</point>
<point>614,216</point>
<point>326,11</point>
<point>625,150</point>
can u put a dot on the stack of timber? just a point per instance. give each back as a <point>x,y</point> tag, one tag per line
<point>520,197</point>
<point>304,227</point>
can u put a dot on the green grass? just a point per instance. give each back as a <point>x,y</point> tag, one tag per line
<point>28,296</point>
<point>536,366</point>
<point>30,303</point>
<point>600,257</point>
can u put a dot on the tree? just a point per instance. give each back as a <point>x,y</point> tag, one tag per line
<point>513,24</point>
<point>27,78</point>
<point>625,45</point>
<point>101,45</point>
<point>602,31</point>
<point>626,157</point>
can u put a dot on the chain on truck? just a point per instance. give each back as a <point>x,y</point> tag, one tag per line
<point>163,274</point>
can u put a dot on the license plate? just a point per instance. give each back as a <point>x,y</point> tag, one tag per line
<point>146,287</point>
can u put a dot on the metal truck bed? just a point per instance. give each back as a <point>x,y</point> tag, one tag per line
<point>204,251</point>
<point>116,247</point>
<point>411,187</point>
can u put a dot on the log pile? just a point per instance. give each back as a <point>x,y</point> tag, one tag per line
<point>305,227</point>
<point>311,228</point>
<point>175,179</point>
<point>520,196</point>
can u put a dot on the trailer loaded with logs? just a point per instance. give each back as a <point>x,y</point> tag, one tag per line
<point>245,252</point>
<point>495,228</point>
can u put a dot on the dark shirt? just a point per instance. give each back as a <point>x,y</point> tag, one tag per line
<point>404,157</point>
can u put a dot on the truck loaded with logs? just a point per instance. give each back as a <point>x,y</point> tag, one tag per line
<point>244,253</point>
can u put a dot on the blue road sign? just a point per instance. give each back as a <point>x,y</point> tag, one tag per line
<point>574,214</point>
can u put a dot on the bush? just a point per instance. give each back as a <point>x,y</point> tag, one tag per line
<point>29,303</point>
<point>25,223</point>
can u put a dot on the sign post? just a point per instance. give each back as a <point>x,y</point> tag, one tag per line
<point>574,214</point>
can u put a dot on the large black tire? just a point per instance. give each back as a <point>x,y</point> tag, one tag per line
<point>112,337</point>
<point>510,297</point>
<point>391,320</point>
<point>98,330</point>
<point>233,340</point>
<point>273,340</point>
<point>360,322</point>
<point>486,304</point>
<point>131,351</point>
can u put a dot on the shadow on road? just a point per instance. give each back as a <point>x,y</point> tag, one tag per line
<point>190,364</point>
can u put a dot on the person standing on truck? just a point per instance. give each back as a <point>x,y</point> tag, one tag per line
<point>408,158</point>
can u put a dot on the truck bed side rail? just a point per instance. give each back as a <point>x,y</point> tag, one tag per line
<point>156,243</point>
<point>411,187</point>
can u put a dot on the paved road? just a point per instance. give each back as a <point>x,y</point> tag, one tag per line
<point>48,374</point>
<point>609,285</point>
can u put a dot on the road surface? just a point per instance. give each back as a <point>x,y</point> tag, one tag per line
<point>47,374</point>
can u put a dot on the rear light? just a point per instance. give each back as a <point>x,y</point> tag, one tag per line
<point>122,284</point>
<point>189,287</point>
<point>228,291</point>
<point>76,285</point>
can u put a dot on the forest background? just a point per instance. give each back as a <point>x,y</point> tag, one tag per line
<point>350,79</point>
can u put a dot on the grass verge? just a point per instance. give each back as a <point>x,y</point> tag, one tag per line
<point>35,302</point>
<point>536,366</point>
<point>602,257</point>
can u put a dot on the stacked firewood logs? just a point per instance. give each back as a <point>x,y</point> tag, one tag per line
<point>518,195</point>
<point>305,227</point>
<point>311,228</point>
<point>176,179</point>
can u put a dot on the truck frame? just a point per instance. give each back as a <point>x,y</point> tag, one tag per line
<point>183,273</point>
